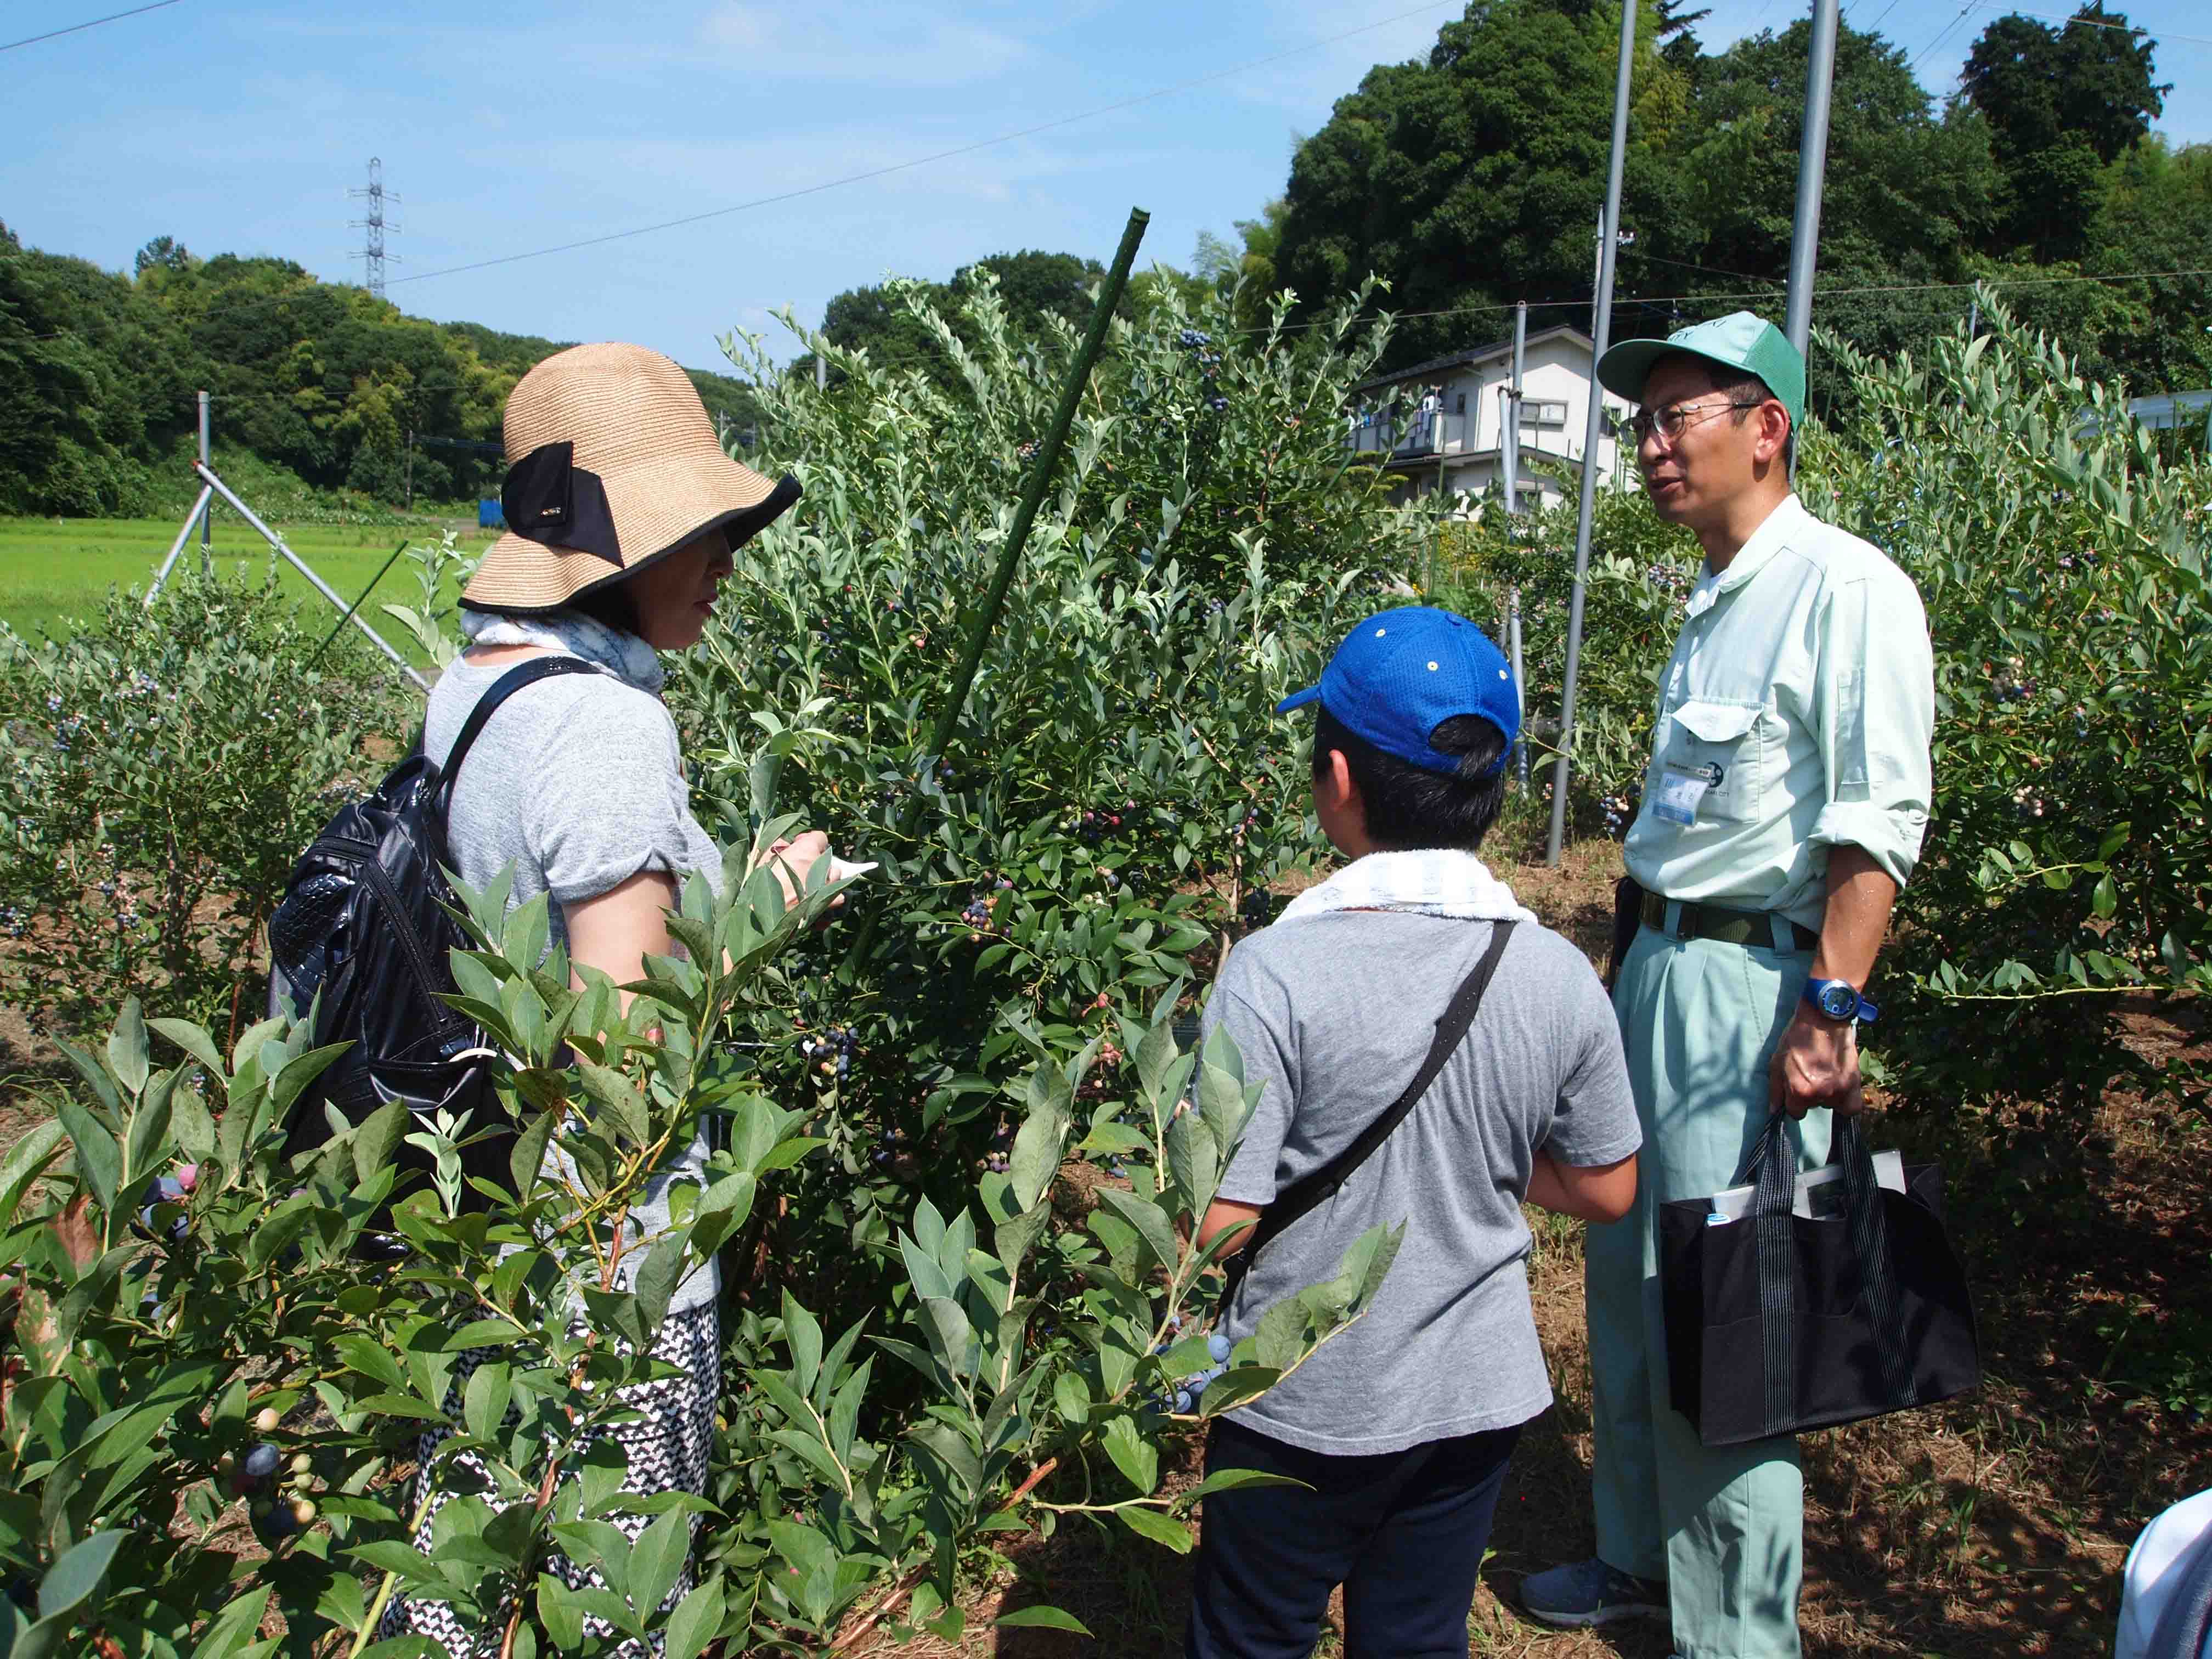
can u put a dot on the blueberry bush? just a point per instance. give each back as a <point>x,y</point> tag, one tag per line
<point>1120,794</point>
<point>218,1365</point>
<point>161,767</point>
<point>2060,550</point>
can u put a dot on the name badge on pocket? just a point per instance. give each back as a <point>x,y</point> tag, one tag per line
<point>1682,787</point>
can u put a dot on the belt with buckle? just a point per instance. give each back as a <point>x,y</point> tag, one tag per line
<point>1754,928</point>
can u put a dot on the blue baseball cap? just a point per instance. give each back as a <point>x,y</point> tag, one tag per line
<point>1402,673</point>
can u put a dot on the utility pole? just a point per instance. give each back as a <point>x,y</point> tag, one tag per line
<point>372,255</point>
<point>1812,172</point>
<point>1593,429</point>
<point>1509,441</point>
<point>207,513</point>
<point>410,469</point>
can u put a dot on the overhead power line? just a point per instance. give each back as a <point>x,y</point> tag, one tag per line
<point>2156,35</point>
<point>74,28</point>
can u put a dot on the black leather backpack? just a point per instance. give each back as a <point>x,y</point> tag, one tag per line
<point>363,923</point>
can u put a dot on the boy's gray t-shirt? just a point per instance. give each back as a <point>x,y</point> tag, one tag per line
<point>578,783</point>
<point>1333,1015</point>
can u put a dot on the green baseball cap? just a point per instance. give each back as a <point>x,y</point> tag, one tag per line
<point>1742,339</point>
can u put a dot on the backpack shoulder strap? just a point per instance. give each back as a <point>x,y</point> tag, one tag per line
<point>522,674</point>
<point>1302,1196</point>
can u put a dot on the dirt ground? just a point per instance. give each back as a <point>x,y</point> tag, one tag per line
<point>1990,1526</point>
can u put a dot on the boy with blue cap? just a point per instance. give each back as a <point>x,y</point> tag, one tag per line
<point>1783,809</point>
<point>1400,1428</point>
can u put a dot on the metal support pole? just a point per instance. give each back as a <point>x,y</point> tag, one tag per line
<point>821,371</point>
<point>199,507</point>
<point>1812,172</point>
<point>410,469</point>
<point>306,570</point>
<point>208,514</point>
<point>1520,685</point>
<point>1593,429</point>
<point>1509,441</point>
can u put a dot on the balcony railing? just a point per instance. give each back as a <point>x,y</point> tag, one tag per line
<point>1408,435</point>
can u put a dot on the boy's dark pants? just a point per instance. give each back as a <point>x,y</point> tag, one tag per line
<point>1404,1532</point>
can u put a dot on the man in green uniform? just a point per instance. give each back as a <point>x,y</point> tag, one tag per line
<point>1782,810</point>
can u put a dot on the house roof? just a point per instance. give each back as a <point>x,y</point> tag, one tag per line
<point>1478,355</point>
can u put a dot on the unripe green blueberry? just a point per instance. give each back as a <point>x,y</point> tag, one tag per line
<point>303,1511</point>
<point>303,1463</point>
<point>266,1419</point>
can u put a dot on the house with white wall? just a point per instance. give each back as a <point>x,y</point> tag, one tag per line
<point>1441,424</point>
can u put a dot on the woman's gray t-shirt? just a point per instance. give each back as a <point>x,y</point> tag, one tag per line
<point>577,783</point>
<point>1332,1015</point>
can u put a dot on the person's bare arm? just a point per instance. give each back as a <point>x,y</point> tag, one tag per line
<point>1598,1192</point>
<point>1818,1061</point>
<point>615,931</point>
<point>1222,1214</point>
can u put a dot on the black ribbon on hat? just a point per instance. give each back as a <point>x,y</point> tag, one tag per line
<point>550,500</point>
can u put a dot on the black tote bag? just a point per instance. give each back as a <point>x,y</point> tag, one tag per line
<point>1777,1323</point>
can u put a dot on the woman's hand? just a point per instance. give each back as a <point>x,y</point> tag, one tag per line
<point>791,860</point>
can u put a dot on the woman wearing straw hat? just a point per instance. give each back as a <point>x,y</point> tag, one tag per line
<point>622,513</point>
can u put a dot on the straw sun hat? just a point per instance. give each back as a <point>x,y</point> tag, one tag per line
<point>611,463</point>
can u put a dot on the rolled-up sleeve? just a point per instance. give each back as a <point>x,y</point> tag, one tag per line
<point>1876,719</point>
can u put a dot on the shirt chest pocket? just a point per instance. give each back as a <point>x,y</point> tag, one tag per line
<point>1718,742</point>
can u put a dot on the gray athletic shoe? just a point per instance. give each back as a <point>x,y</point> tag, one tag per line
<point>1591,1593</point>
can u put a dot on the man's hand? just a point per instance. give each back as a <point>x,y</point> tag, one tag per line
<point>1817,1065</point>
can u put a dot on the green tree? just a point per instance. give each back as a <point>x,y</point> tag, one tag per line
<point>2062,104</point>
<point>1473,177</point>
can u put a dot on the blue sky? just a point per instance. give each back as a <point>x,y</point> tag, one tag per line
<point>506,127</point>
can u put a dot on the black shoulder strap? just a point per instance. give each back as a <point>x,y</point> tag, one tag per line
<point>522,674</point>
<point>1302,1196</point>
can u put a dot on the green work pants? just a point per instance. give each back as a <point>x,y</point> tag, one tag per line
<point>1724,1526</point>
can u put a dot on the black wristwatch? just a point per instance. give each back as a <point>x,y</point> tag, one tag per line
<point>1839,1000</point>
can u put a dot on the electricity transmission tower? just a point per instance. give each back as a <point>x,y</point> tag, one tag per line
<point>373,256</point>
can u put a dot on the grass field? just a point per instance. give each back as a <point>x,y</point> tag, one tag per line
<point>54,569</point>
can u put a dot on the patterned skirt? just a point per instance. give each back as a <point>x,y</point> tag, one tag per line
<point>668,1449</point>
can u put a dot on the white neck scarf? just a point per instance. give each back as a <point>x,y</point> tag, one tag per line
<point>575,634</point>
<point>1431,882</point>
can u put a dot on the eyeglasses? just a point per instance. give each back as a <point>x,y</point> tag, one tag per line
<point>1671,421</point>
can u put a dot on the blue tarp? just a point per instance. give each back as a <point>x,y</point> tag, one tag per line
<point>490,516</point>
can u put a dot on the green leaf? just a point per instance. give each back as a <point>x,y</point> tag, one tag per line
<point>657,1559</point>
<point>655,1286</point>
<point>366,1355</point>
<point>613,1092</point>
<point>292,1082</point>
<point>1229,1479</point>
<point>126,1048</point>
<point>1160,1528</point>
<point>193,1041</point>
<point>99,1160</point>
<point>95,1078</point>
<point>376,1139</point>
<point>1038,1146</point>
<point>802,1332</point>
<point>1137,1458</point>
<point>71,1581</point>
<point>1042,1618</point>
<point>696,1621</point>
<point>26,1161</point>
<point>490,1391</point>
<point>1149,1219</point>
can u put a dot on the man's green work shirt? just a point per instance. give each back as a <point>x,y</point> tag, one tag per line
<point>1801,692</point>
